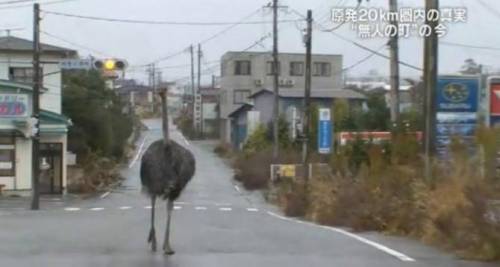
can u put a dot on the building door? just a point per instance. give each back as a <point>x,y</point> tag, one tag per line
<point>51,168</point>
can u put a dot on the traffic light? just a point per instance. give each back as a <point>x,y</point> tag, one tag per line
<point>110,64</point>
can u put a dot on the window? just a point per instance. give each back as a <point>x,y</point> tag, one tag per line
<point>296,68</point>
<point>322,69</point>
<point>7,157</point>
<point>270,69</point>
<point>241,96</point>
<point>242,67</point>
<point>22,74</point>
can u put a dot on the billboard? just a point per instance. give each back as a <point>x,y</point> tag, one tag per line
<point>13,105</point>
<point>457,107</point>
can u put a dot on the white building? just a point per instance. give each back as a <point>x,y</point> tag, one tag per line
<point>16,76</point>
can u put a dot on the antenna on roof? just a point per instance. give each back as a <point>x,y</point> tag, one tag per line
<point>9,30</point>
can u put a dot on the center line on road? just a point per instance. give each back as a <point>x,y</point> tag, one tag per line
<point>237,189</point>
<point>252,209</point>
<point>105,195</point>
<point>200,208</point>
<point>177,207</point>
<point>378,246</point>
<point>71,209</point>
<point>125,208</point>
<point>222,204</point>
<point>147,207</point>
<point>225,209</point>
<point>96,209</point>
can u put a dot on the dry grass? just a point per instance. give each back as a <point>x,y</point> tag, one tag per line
<point>388,193</point>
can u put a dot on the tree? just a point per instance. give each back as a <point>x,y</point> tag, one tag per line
<point>470,67</point>
<point>377,117</point>
<point>99,124</point>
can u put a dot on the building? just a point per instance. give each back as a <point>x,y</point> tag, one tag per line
<point>259,110</point>
<point>16,78</point>
<point>210,111</point>
<point>139,98</point>
<point>244,73</point>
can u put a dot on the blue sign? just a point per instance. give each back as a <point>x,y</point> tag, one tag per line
<point>325,131</point>
<point>457,94</point>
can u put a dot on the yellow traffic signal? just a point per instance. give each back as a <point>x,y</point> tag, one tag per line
<point>110,64</point>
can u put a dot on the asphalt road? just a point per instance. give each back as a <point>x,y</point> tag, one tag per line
<point>215,223</point>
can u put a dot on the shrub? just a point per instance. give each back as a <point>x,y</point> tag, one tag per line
<point>223,150</point>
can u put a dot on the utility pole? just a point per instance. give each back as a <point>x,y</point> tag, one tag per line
<point>35,166</point>
<point>191,102</point>
<point>199,127</point>
<point>307,97</point>
<point>430,81</point>
<point>394,54</point>
<point>275,69</point>
<point>153,79</point>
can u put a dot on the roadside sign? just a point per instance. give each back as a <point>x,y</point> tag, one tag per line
<point>494,101</point>
<point>287,171</point>
<point>76,64</point>
<point>458,94</point>
<point>457,106</point>
<point>325,131</point>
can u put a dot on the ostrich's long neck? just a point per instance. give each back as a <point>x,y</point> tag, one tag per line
<point>164,117</point>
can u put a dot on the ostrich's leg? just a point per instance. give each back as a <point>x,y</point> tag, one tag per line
<point>166,244</point>
<point>152,234</point>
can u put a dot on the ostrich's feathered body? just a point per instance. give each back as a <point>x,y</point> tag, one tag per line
<point>166,169</point>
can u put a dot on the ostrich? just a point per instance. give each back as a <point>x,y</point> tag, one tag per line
<point>166,168</point>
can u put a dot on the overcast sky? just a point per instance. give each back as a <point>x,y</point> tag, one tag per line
<point>141,44</point>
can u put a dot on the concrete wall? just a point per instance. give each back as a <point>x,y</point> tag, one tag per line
<point>51,100</point>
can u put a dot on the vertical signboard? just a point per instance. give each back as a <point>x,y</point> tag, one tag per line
<point>457,106</point>
<point>494,101</point>
<point>325,131</point>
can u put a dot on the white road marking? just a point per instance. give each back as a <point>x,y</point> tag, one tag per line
<point>139,151</point>
<point>237,189</point>
<point>96,209</point>
<point>148,207</point>
<point>71,209</point>
<point>184,138</point>
<point>177,207</point>
<point>181,203</point>
<point>105,195</point>
<point>222,204</point>
<point>378,246</point>
<point>125,208</point>
<point>225,209</point>
<point>253,209</point>
<point>200,208</point>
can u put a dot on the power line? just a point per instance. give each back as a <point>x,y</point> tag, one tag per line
<point>41,3</point>
<point>210,70</point>
<point>229,28</point>
<point>15,2</point>
<point>470,46</point>
<point>360,45</point>
<point>75,44</point>
<point>363,60</point>
<point>158,22</point>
